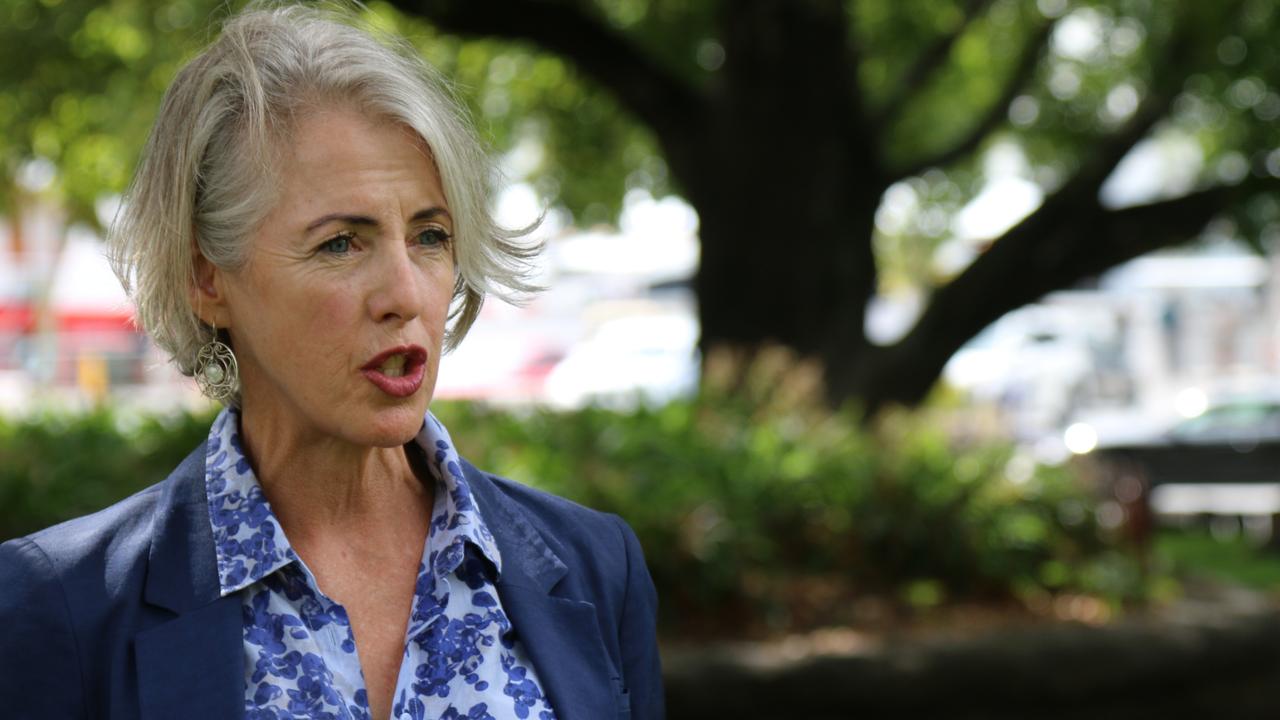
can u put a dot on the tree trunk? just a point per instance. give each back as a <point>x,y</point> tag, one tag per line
<point>786,192</point>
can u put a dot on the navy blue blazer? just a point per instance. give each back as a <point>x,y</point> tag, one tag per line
<point>117,615</point>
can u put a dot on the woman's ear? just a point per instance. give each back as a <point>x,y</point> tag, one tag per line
<point>207,293</point>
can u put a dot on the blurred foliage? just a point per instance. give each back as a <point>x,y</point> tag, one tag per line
<point>759,510</point>
<point>80,81</point>
<point>1218,60</point>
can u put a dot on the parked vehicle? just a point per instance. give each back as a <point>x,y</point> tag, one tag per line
<point>630,359</point>
<point>1224,461</point>
<point>1234,441</point>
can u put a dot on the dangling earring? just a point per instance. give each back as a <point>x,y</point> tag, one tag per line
<point>217,373</point>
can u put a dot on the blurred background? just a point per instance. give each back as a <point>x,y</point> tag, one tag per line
<point>932,347</point>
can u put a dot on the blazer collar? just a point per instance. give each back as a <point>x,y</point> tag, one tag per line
<point>528,559</point>
<point>561,633</point>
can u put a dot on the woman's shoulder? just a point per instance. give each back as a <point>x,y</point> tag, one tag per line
<point>71,600</point>
<point>80,573</point>
<point>106,544</point>
<point>72,541</point>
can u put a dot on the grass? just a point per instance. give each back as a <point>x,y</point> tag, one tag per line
<point>1236,560</point>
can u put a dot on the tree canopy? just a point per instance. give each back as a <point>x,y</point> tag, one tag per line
<point>827,145</point>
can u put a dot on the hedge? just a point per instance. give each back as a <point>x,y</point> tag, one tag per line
<point>755,517</point>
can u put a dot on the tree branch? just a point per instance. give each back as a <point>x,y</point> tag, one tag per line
<point>1069,238</point>
<point>1046,252</point>
<point>996,113</point>
<point>657,97</point>
<point>926,65</point>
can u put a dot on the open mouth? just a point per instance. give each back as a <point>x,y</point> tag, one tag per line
<point>398,371</point>
<point>397,361</point>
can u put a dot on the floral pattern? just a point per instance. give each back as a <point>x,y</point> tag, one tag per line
<point>463,660</point>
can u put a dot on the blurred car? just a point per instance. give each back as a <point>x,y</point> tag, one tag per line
<point>1233,441</point>
<point>1224,461</point>
<point>649,358</point>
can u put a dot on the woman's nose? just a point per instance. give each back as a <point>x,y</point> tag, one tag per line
<point>398,291</point>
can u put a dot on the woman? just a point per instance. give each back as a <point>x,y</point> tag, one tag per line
<point>309,206</point>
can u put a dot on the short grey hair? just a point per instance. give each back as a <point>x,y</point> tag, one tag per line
<point>207,173</point>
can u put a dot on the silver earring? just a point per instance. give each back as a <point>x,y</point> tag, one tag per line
<point>217,373</point>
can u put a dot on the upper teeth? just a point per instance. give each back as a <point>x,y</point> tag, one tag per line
<point>393,366</point>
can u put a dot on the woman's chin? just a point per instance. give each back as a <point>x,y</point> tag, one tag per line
<point>392,428</point>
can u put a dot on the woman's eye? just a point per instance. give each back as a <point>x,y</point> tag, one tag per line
<point>338,245</point>
<point>432,237</point>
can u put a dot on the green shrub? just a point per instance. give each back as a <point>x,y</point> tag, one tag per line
<point>758,512</point>
<point>761,521</point>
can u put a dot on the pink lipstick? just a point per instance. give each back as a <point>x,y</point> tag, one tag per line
<point>397,371</point>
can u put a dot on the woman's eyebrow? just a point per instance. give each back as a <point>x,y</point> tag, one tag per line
<point>344,218</point>
<point>348,219</point>
<point>431,213</point>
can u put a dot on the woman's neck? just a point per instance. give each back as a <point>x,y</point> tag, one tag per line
<point>320,484</point>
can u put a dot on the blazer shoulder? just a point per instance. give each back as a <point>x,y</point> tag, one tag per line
<point>107,549</point>
<point>41,674</point>
<point>545,502</point>
<point>72,602</point>
<point>122,529</point>
<point>59,588</point>
<point>124,526</point>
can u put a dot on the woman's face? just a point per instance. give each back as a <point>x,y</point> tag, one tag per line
<point>338,315</point>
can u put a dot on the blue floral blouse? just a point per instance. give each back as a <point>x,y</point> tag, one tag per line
<point>461,657</point>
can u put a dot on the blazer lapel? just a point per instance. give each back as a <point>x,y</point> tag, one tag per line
<point>561,634</point>
<point>191,666</point>
<point>563,640</point>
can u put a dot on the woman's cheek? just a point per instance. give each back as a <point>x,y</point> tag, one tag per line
<point>332,312</point>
